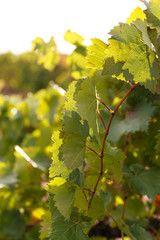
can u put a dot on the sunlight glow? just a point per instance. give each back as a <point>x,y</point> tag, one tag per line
<point>23,21</point>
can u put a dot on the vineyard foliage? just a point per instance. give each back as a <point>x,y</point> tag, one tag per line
<point>102,136</point>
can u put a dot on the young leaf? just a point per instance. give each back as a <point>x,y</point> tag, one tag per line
<point>127,45</point>
<point>135,15</point>
<point>96,54</point>
<point>73,38</point>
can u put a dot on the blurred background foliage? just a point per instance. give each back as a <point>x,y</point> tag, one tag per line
<point>32,88</point>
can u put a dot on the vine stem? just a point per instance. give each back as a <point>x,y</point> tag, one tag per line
<point>104,140</point>
<point>101,119</point>
<point>104,104</point>
<point>93,150</point>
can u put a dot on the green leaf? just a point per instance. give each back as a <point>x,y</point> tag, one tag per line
<point>127,45</point>
<point>87,104</point>
<point>74,124</point>
<point>153,13</point>
<point>45,225</point>
<point>106,197</point>
<point>63,192</point>
<point>97,209</point>
<point>75,131</point>
<point>139,233</point>
<point>135,15</point>
<point>80,200</point>
<point>96,54</point>
<point>57,167</point>
<point>64,198</point>
<point>76,177</point>
<point>63,229</point>
<point>70,104</point>
<point>47,52</point>
<point>110,68</point>
<point>144,181</point>
<point>73,38</point>
<point>12,224</point>
<point>77,62</point>
<point>126,33</point>
<point>142,26</point>
<point>72,151</point>
<point>135,120</point>
<point>111,160</point>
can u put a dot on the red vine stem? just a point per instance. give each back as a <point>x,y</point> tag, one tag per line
<point>104,105</point>
<point>101,119</point>
<point>104,140</point>
<point>93,150</point>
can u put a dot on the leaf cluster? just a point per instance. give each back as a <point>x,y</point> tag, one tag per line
<point>106,155</point>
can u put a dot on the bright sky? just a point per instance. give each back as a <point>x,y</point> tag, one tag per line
<point>21,21</point>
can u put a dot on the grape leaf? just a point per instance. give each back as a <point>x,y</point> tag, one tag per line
<point>142,26</point>
<point>45,225</point>
<point>153,14</point>
<point>127,45</point>
<point>111,160</point>
<point>72,151</point>
<point>73,124</point>
<point>136,120</point>
<point>76,177</point>
<point>87,104</point>
<point>69,105</point>
<point>80,200</point>
<point>135,15</point>
<point>57,167</point>
<point>144,181</point>
<point>77,62</point>
<point>126,33</point>
<point>73,38</point>
<point>96,54</point>
<point>74,132</point>
<point>64,198</point>
<point>139,233</point>
<point>64,229</point>
<point>138,17</point>
<point>63,191</point>
<point>47,52</point>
